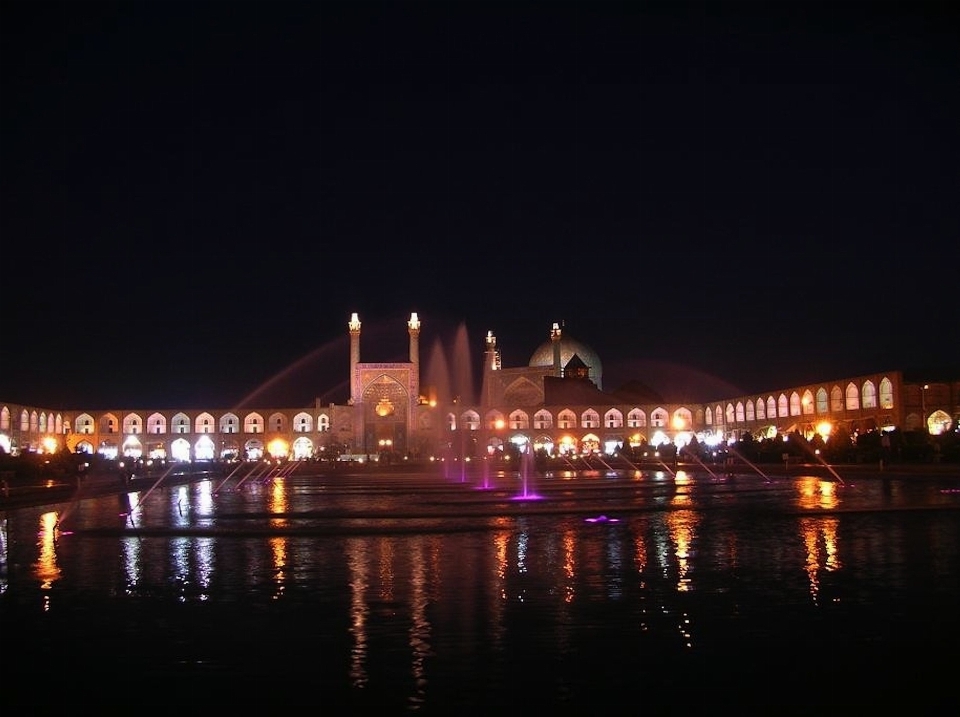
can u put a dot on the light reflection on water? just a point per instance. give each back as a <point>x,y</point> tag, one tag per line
<point>47,570</point>
<point>456,596</point>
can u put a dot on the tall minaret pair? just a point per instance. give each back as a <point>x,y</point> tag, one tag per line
<point>413,328</point>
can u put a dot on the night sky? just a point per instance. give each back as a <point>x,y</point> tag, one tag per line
<point>717,197</point>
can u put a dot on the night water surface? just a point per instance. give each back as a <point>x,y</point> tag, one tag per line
<point>620,592</point>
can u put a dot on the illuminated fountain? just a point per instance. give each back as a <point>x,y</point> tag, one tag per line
<point>526,464</point>
<point>228,477</point>
<point>704,465</point>
<point>817,457</point>
<point>637,472</point>
<point>257,471</point>
<point>672,473</point>
<point>485,469</point>
<point>449,385</point>
<point>741,457</point>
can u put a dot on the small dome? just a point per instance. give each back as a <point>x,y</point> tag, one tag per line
<point>569,346</point>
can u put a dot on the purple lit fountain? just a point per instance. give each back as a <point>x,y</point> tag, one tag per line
<point>526,463</point>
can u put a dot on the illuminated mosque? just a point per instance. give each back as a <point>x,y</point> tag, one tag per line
<point>556,404</point>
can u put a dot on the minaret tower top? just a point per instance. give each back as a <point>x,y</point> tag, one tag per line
<point>354,326</point>
<point>491,355</point>
<point>413,328</point>
<point>555,336</point>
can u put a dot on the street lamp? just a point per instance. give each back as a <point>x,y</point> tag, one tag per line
<point>923,406</point>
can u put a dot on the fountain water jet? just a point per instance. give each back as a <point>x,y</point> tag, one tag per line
<point>816,455</point>
<point>256,471</point>
<point>448,385</point>
<point>739,455</point>
<point>636,468</point>
<point>281,471</point>
<point>323,356</point>
<point>672,473</point>
<point>526,460</point>
<point>158,481</point>
<point>229,475</point>
<point>705,467</point>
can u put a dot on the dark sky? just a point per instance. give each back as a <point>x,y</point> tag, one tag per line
<point>717,197</point>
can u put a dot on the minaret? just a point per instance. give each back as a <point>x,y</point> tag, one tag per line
<point>491,357</point>
<point>555,338</point>
<point>491,362</point>
<point>354,327</point>
<point>413,328</point>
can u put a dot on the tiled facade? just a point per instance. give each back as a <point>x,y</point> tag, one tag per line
<point>388,415</point>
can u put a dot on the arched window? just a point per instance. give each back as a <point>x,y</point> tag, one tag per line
<point>836,399</point>
<point>613,418</point>
<point>794,404</point>
<point>180,423</point>
<point>683,419</point>
<point>495,420</point>
<point>203,423</point>
<point>886,393</point>
<point>156,423</point>
<point>302,423</point>
<point>822,400</point>
<point>519,420</point>
<point>253,423</point>
<point>229,423</point>
<point>470,420</point>
<point>131,424</point>
<point>853,397</point>
<point>542,419</point>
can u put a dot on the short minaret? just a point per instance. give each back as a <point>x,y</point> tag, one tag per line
<point>491,363</point>
<point>413,328</point>
<point>354,327</point>
<point>555,336</point>
<point>491,357</point>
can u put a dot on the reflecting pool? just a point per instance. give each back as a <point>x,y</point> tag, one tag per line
<point>631,592</point>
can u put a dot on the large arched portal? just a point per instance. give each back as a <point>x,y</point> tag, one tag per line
<point>385,402</point>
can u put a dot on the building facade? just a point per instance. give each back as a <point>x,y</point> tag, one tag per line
<point>553,405</point>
